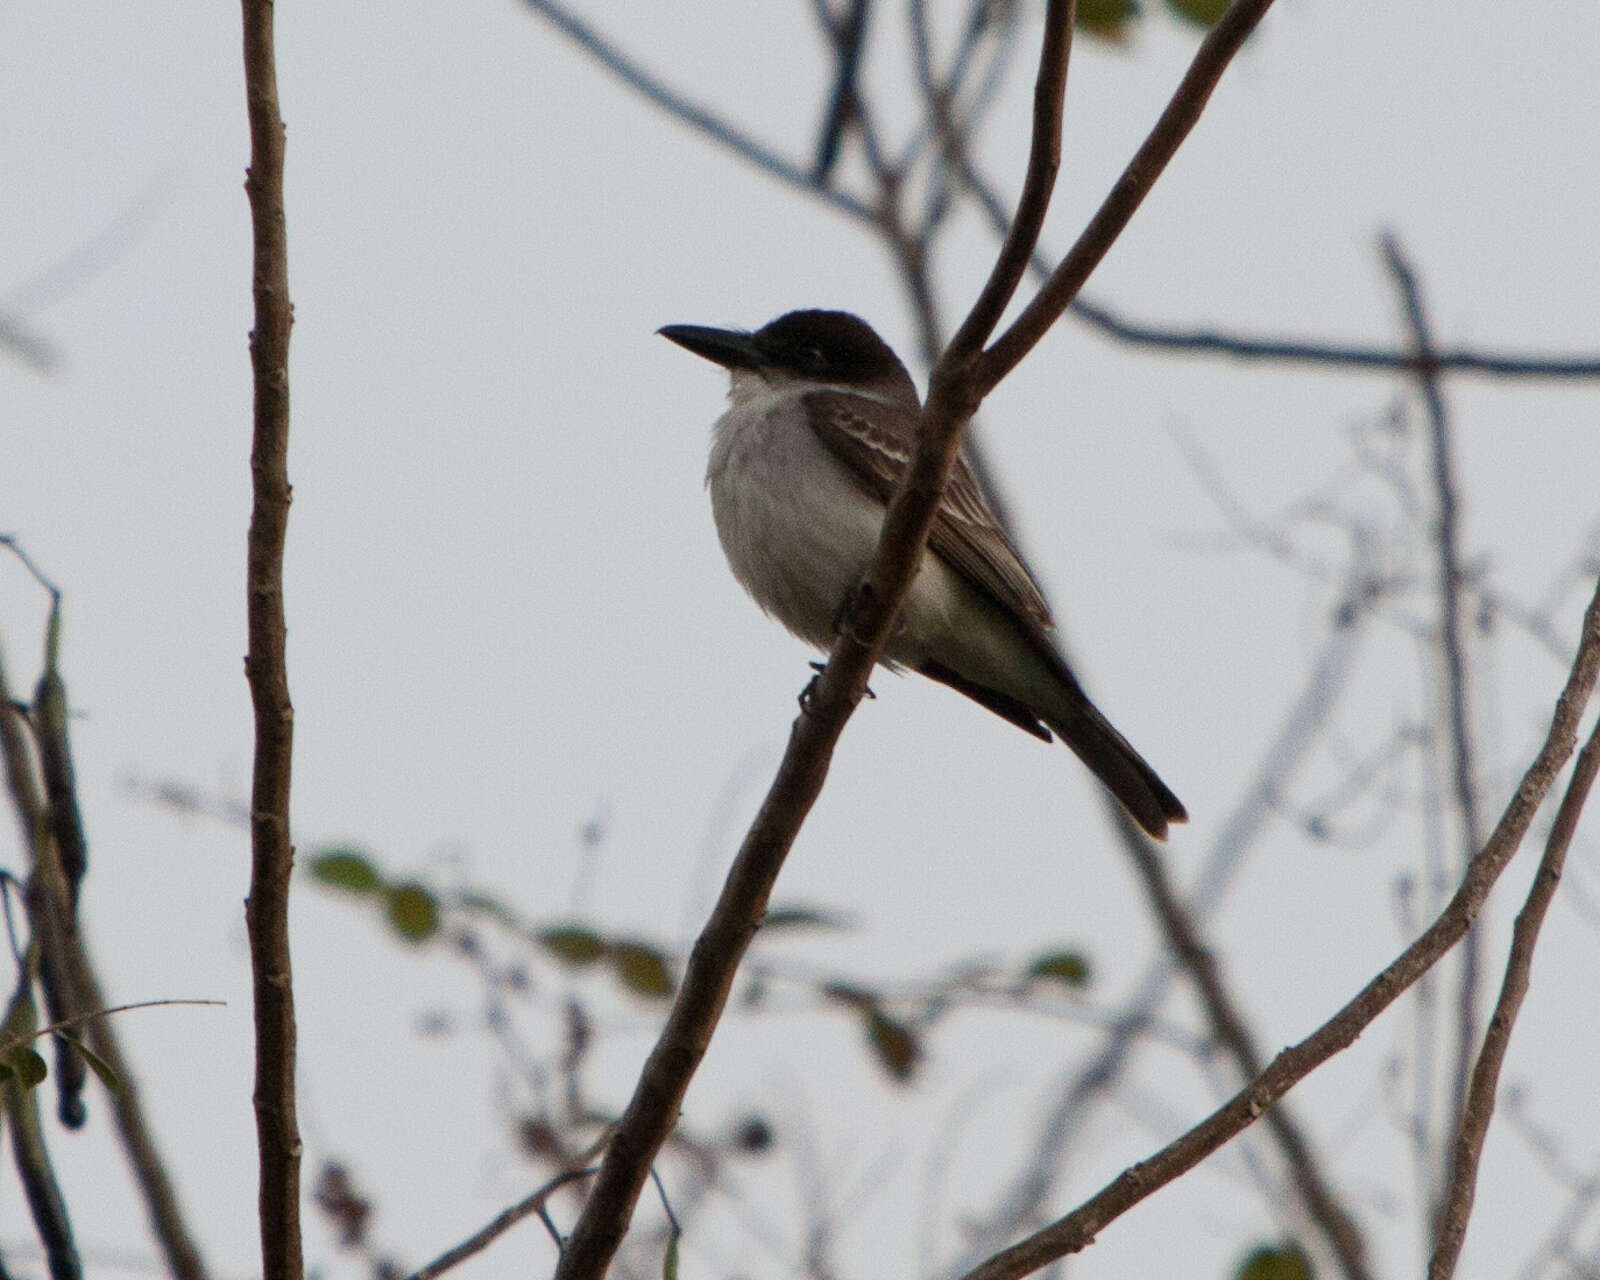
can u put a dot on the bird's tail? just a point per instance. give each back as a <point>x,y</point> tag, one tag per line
<point>1123,770</point>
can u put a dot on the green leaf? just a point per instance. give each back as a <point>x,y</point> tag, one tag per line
<point>1107,19</point>
<point>1068,967</point>
<point>642,968</point>
<point>348,869</point>
<point>27,1066</point>
<point>22,1017</point>
<point>1201,12</point>
<point>894,1044</point>
<point>413,911</point>
<point>97,1064</point>
<point>1276,1262</point>
<point>572,944</point>
<point>798,917</point>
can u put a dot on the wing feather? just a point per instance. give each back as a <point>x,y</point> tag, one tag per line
<point>874,443</point>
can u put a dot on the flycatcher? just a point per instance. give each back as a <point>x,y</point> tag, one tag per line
<point>821,422</point>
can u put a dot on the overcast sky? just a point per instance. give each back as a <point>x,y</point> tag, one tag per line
<point>509,615</point>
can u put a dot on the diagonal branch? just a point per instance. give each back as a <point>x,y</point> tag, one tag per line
<point>1479,1109</point>
<point>1228,1026</point>
<point>680,106</point>
<point>1250,347</point>
<point>956,389</point>
<point>1452,643</point>
<point>849,34</point>
<point>1238,834</point>
<point>1044,161</point>
<point>1075,1231</point>
<point>533,1203</point>
<point>1210,61</point>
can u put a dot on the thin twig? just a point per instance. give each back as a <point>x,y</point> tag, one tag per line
<point>1236,837</point>
<point>1078,1228</point>
<point>1044,161</point>
<point>849,34</point>
<point>1205,341</point>
<point>1177,119</point>
<point>1457,1205</point>
<point>83,1019</point>
<point>160,1195</point>
<point>499,1225</point>
<point>150,1175</point>
<point>1452,643</point>
<point>681,107</point>
<point>1228,1027</point>
<point>956,388</point>
<point>271,853</point>
<point>1255,348</point>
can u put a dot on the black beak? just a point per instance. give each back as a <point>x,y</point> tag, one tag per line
<point>727,347</point>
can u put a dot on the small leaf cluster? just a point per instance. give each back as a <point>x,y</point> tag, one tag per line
<point>409,906</point>
<point>641,967</point>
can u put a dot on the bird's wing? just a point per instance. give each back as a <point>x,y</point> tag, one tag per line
<point>876,448</point>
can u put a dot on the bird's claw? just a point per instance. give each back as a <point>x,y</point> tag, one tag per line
<point>810,691</point>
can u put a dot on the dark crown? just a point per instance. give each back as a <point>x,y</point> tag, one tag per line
<point>830,346</point>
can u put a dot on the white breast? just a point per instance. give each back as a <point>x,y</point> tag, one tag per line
<point>797,530</point>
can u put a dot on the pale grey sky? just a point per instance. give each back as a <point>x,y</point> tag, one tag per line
<point>508,611</point>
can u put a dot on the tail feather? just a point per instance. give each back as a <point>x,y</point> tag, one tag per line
<point>1123,770</point>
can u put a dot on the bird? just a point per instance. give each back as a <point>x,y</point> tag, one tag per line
<point>821,423</point>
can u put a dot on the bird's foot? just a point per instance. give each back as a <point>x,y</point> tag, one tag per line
<point>810,689</point>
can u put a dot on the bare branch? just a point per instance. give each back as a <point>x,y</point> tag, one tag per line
<point>1075,1231</point>
<point>1457,1207</point>
<point>1452,643</point>
<point>155,1184</point>
<point>683,109</point>
<point>955,390</point>
<point>271,854</point>
<point>1044,160</point>
<point>1236,837</point>
<point>849,34</point>
<point>1201,341</point>
<point>1209,341</point>
<point>499,1225</point>
<point>1228,1026</point>
<point>1210,61</point>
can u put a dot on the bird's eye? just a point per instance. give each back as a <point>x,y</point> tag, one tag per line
<point>813,356</point>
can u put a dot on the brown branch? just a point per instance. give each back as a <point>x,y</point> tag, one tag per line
<point>1210,61</point>
<point>849,34</point>
<point>82,991</point>
<point>1452,644</point>
<point>150,1174</point>
<point>827,706</point>
<point>497,1226</point>
<point>957,386</point>
<point>1075,1231</point>
<point>1479,1109</point>
<point>1044,160</point>
<point>271,854</point>
<point>1228,1028</point>
<point>1200,341</point>
<point>1248,347</point>
<point>682,108</point>
<point>1239,832</point>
